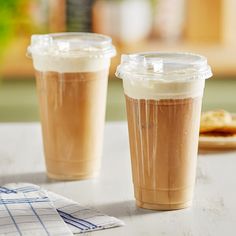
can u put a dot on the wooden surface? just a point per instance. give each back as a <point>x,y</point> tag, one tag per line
<point>213,212</point>
<point>204,21</point>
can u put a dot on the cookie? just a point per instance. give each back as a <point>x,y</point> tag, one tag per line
<point>216,121</point>
<point>218,134</point>
<point>229,128</point>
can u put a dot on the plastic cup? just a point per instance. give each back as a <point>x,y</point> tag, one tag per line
<point>163,94</point>
<point>71,77</point>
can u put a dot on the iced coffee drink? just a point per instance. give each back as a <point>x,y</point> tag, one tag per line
<point>163,94</point>
<point>71,78</point>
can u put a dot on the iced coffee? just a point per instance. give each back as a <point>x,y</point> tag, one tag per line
<point>163,94</point>
<point>71,78</point>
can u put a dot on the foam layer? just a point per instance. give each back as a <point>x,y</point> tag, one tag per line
<point>150,89</point>
<point>69,64</point>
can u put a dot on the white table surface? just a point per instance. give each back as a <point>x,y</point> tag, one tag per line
<point>213,211</point>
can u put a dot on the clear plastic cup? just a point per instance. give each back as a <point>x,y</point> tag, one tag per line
<point>163,94</point>
<point>71,77</point>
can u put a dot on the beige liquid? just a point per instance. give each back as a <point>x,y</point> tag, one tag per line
<point>72,109</point>
<point>163,144</point>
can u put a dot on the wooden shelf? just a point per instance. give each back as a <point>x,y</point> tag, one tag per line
<point>221,58</point>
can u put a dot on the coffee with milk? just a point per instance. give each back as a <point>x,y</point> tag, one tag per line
<point>71,78</point>
<point>163,94</point>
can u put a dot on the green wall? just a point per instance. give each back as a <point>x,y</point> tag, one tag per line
<point>18,101</point>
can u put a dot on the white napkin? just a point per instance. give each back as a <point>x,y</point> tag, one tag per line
<point>78,218</point>
<point>30,213</point>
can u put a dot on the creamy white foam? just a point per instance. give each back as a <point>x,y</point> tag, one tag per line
<point>151,89</point>
<point>63,64</point>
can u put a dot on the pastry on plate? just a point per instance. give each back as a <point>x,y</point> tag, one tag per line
<point>219,121</point>
<point>217,130</point>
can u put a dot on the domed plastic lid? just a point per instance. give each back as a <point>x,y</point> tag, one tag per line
<point>71,45</point>
<point>164,66</point>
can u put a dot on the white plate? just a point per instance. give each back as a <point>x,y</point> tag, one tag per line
<point>206,142</point>
<point>213,142</point>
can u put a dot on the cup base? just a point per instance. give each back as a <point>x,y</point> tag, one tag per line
<point>167,199</point>
<point>72,170</point>
<point>72,177</point>
<point>163,207</point>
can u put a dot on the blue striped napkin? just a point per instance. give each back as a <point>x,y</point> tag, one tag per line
<point>30,213</point>
<point>78,218</point>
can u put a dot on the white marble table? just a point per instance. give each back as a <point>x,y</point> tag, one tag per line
<point>213,212</point>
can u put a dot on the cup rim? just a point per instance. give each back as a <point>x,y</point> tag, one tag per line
<point>71,44</point>
<point>163,66</point>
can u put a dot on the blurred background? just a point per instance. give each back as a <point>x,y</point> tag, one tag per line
<point>200,26</point>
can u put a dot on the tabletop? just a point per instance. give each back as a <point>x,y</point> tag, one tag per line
<point>214,207</point>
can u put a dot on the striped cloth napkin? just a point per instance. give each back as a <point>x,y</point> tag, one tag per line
<point>27,209</point>
<point>30,213</point>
